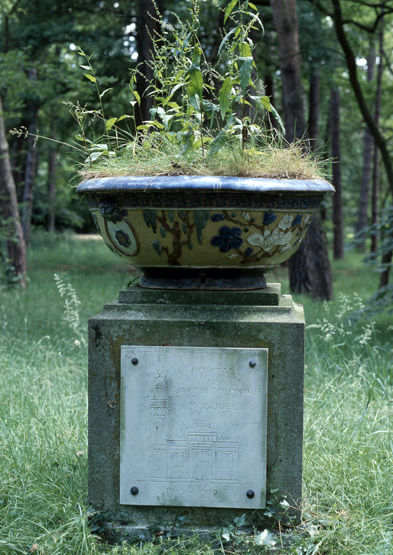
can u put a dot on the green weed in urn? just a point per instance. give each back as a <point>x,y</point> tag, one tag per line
<point>207,182</point>
<point>206,119</point>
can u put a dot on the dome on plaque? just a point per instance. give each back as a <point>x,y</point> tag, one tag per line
<point>159,383</point>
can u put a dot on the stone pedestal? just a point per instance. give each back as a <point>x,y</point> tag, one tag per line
<point>265,323</point>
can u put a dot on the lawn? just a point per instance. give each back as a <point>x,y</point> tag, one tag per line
<point>348,464</point>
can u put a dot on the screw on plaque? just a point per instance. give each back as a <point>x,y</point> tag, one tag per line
<point>134,490</point>
<point>250,494</point>
<point>252,363</point>
<point>134,361</point>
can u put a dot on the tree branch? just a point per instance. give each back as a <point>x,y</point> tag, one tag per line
<point>366,28</point>
<point>371,29</point>
<point>388,64</point>
<point>353,77</point>
<point>381,5</point>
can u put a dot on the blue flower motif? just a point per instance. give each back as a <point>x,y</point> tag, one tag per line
<point>297,220</point>
<point>249,251</point>
<point>217,217</point>
<point>269,218</point>
<point>228,238</point>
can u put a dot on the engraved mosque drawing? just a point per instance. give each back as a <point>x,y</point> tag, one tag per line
<point>198,453</point>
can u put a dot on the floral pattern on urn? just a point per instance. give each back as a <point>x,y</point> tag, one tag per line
<point>180,222</point>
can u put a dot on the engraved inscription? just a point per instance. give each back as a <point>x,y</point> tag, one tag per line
<point>191,429</point>
<point>199,453</point>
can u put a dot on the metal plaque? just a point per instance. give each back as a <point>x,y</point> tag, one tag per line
<point>193,426</point>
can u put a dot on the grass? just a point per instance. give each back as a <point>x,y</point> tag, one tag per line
<point>161,157</point>
<point>348,478</point>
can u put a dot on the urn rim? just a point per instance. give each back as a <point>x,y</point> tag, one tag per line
<point>212,183</point>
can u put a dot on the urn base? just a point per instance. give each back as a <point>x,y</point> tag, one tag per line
<point>208,279</point>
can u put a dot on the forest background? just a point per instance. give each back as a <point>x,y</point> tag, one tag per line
<point>327,66</point>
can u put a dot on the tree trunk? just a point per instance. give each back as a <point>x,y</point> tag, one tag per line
<point>377,115</point>
<point>269,87</point>
<point>30,172</point>
<point>269,91</point>
<point>338,239</point>
<point>52,183</point>
<point>325,154</point>
<point>147,29</point>
<point>309,268</point>
<point>387,263</point>
<point>313,107</point>
<point>28,191</point>
<point>17,148</point>
<point>286,24</point>
<point>15,244</point>
<point>368,143</point>
<point>267,52</point>
<point>374,201</point>
<point>362,220</point>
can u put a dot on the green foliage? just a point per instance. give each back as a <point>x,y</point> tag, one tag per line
<point>42,36</point>
<point>185,94</point>
<point>39,73</point>
<point>198,107</point>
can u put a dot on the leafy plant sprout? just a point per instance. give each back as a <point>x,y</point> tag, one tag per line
<point>71,308</point>
<point>205,119</point>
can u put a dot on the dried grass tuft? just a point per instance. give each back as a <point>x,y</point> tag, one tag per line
<point>290,161</point>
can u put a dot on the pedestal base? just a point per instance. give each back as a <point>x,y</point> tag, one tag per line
<point>238,320</point>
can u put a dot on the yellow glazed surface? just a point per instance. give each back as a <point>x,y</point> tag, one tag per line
<point>203,238</point>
